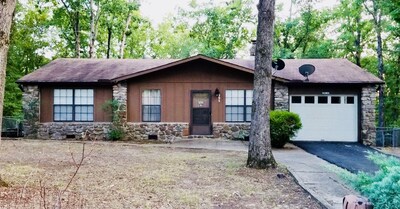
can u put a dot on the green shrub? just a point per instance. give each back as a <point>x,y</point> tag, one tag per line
<point>113,107</point>
<point>116,134</point>
<point>383,187</point>
<point>284,125</point>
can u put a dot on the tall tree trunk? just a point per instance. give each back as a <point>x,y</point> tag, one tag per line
<point>260,152</point>
<point>381,73</point>
<point>92,30</point>
<point>109,30</point>
<point>73,14</point>
<point>123,40</point>
<point>77,35</point>
<point>376,14</point>
<point>94,20</point>
<point>7,8</point>
<point>358,41</point>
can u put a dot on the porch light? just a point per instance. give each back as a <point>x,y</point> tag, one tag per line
<point>217,94</point>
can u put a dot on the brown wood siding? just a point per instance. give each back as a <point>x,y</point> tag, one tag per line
<point>176,84</point>
<point>101,95</point>
<point>46,104</point>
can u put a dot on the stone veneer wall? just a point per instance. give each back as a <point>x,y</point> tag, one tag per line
<point>31,107</point>
<point>120,94</point>
<point>73,130</point>
<point>98,131</point>
<point>368,129</point>
<point>164,131</point>
<point>231,130</point>
<point>281,97</point>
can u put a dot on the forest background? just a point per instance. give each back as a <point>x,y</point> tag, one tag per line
<point>366,32</point>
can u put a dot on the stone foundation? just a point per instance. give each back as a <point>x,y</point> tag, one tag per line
<point>368,131</point>
<point>162,131</point>
<point>99,131</point>
<point>166,132</point>
<point>231,130</point>
<point>79,131</point>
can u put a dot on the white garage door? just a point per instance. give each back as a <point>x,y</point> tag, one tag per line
<point>326,117</point>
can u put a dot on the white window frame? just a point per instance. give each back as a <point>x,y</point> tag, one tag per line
<point>238,104</point>
<point>151,105</point>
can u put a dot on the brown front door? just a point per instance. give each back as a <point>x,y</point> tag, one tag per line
<point>201,113</point>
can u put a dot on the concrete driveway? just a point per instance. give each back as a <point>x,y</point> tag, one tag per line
<point>350,156</point>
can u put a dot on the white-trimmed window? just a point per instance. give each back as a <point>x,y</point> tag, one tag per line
<point>73,105</point>
<point>238,105</point>
<point>151,105</point>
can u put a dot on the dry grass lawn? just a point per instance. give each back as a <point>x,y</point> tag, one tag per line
<point>123,175</point>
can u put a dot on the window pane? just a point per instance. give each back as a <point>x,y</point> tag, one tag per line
<point>69,100</point>
<point>228,93</point>
<point>296,99</point>
<point>235,104</point>
<point>84,113</point>
<point>56,92</point>
<point>335,100</point>
<point>309,99</point>
<point>234,97</point>
<point>228,101</point>
<point>249,97</point>
<point>228,117</point>
<point>68,92</point>
<point>349,100</point>
<point>151,113</point>
<point>234,118</point>
<point>234,93</point>
<point>248,113</point>
<point>62,96</point>
<point>151,97</point>
<point>83,97</point>
<point>240,117</point>
<point>235,113</point>
<point>62,113</point>
<point>322,100</point>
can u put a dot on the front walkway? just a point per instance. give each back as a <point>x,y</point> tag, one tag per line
<point>312,173</point>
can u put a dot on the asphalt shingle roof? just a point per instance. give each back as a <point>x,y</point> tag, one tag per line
<point>69,70</point>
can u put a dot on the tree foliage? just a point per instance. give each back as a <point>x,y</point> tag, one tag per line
<point>45,30</point>
<point>382,187</point>
<point>26,53</point>
<point>215,30</point>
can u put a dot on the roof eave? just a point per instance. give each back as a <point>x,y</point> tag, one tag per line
<point>99,82</point>
<point>338,83</point>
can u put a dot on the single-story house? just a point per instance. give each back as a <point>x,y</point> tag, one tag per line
<point>196,97</point>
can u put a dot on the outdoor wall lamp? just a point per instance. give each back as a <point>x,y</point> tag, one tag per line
<point>217,94</point>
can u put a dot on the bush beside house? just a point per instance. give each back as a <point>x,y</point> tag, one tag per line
<point>284,125</point>
<point>383,187</point>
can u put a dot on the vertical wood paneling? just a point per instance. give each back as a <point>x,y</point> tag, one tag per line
<point>176,85</point>
<point>101,96</point>
<point>46,104</point>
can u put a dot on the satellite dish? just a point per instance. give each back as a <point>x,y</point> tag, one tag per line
<point>306,70</point>
<point>278,64</point>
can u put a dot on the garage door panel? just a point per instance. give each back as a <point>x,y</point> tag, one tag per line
<point>327,122</point>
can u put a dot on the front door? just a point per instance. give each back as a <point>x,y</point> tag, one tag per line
<point>201,113</point>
